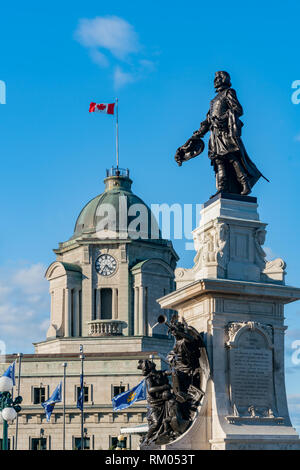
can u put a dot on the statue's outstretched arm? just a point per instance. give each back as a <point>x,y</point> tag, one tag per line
<point>204,126</point>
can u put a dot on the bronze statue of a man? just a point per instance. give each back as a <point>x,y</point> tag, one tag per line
<point>235,171</point>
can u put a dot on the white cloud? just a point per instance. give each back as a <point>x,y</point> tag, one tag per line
<point>108,32</point>
<point>24,306</point>
<point>112,41</point>
<point>122,78</point>
<point>30,279</point>
<point>99,58</point>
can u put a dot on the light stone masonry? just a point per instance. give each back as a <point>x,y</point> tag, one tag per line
<point>111,315</point>
<point>236,298</point>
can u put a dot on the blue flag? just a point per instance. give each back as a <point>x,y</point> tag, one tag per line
<point>10,372</point>
<point>49,404</point>
<point>126,399</point>
<point>80,394</point>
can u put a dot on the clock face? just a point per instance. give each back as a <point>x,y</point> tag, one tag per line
<point>106,265</point>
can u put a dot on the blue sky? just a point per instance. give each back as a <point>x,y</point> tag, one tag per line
<point>159,58</point>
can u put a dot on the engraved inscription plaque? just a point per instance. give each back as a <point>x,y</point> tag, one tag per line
<point>251,370</point>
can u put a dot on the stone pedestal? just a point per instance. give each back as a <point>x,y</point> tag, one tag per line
<point>237,299</point>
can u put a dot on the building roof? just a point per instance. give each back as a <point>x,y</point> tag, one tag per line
<point>71,267</point>
<point>117,193</point>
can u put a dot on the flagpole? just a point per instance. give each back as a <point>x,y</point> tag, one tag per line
<point>64,407</point>
<point>117,132</point>
<point>20,355</point>
<point>82,411</point>
<point>5,436</point>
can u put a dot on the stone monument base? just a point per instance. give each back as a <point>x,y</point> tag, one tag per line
<point>236,298</point>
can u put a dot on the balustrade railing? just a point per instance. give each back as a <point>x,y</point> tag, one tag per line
<point>105,328</point>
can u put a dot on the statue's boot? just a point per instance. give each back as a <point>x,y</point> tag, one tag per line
<point>241,176</point>
<point>221,177</point>
<point>245,188</point>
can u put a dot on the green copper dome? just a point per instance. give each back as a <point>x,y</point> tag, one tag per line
<point>119,207</point>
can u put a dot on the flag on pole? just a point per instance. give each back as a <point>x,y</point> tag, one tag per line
<point>10,372</point>
<point>126,399</point>
<point>49,404</point>
<point>80,394</point>
<point>106,108</point>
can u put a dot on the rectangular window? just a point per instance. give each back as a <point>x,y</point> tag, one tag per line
<point>39,395</point>
<point>85,393</point>
<point>95,305</point>
<point>114,443</point>
<point>77,443</point>
<point>118,389</point>
<point>106,304</point>
<point>39,443</point>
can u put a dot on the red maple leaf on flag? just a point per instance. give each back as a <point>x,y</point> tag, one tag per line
<point>107,108</point>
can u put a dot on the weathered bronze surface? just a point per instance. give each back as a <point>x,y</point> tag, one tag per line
<point>235,171</point>
<point>173,404</point>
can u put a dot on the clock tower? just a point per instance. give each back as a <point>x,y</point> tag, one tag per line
<point>108,275</point>
<point>103,286</point>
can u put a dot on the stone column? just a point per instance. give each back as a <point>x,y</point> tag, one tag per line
<point>114,303</point>
<point>67,312</point>
<point>136,311</point>
<point>98,304</point>
<point>141,310</point>
<point>77,312</point>
<point>146,313</point>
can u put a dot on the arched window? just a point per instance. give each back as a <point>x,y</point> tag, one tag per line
<point>106,304</point>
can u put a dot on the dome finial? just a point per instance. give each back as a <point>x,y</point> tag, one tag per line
<point>117,172</point>
<point>117,178</point>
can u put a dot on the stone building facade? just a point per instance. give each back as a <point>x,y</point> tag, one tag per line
<point>103,287</point>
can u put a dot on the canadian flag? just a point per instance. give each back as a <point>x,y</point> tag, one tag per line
<point>107,108</point>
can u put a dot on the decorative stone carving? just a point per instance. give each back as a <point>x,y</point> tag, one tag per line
<point>223,245</point>
<point>259,240</point>
<point>275,271</point>
<point>212,246</point>
<point>229,245</point>
<point>233,328</point>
